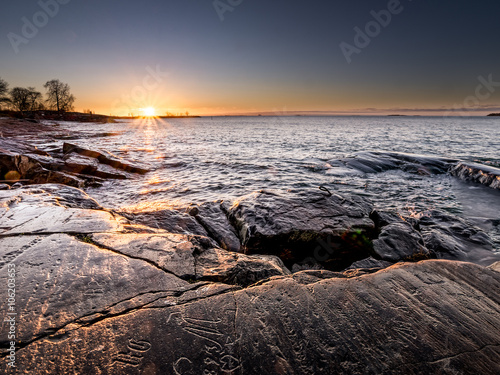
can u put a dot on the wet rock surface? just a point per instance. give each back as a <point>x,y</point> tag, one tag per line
<point>293,225</point>
<point>103,158</point>
<point>72,165</point>
<point>193,259</point>
<point>170,291</point>
<point>427,317</point>
<point>376,162</point>
<point>400,241</point>
<point>174,221</point>
<point>213,218</point>
<point>451,237</point>
<point>486,175</point>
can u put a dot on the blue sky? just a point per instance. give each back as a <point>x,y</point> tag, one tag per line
<point>262,57</point>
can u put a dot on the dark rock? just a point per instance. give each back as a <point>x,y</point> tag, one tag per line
<point>180,255</point>
<point>26,162</point>
<point>383,218</point>
<point>369,263</point>
<point>309,263</point>
<point>431,317</point>
<point>297,225</point>
<point>451,237</point>
<point>483,174</point>
<point>375,162</point>
<point>60,280</point>
<point>108,159</point>
<point>173,221</point>
<point>217,225</point>
<point>400,242</point>
<point>193,211</point>
<point>85,165</point>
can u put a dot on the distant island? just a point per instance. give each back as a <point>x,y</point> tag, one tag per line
<point>494,114</point>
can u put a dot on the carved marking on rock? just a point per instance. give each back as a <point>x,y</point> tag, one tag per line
<point>135,353</point>
<point>218,348</point>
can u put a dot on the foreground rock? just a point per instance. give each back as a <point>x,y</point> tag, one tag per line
<point>171,220</point>
<point>294,225</point>
<point>193,258</point>
<point>97,294</point>
<point>212,216</point>
<point>427,317</point>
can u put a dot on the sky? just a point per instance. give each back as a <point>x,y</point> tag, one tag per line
<point>258,56</point>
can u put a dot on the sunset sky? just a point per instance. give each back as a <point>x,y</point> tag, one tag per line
<point>210,57</point>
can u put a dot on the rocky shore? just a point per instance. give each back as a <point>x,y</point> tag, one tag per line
<point>297,282</point>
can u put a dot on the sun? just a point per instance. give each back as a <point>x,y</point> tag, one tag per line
<point>149,111</point>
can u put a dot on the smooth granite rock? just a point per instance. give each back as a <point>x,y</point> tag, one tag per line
<point>173,221</point>
<point>80,164</point>
<point>60,280</point>
<point>431,317</point>
<point>399,242</point>
<point>103,158</point>
<point>189,258</point>
<point>375,162</point>
<point>213,218</point>
<point>450,237</point>
<point>495,266</point>
<point>370,263</point>
<point>36,211</point>
<point>296,225</point>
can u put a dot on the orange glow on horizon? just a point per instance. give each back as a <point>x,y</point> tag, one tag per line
<point>149,111</point>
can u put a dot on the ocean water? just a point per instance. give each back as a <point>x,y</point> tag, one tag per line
<point>206,159</point>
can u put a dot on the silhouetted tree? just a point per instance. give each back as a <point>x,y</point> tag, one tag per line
<point>59,97</point>
<point>25,99</point>
<point>4,88</point>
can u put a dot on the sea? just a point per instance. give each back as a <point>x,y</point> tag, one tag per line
<point>195,160</point>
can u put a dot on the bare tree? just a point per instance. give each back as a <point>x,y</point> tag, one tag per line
<point>4,88</point>
<point>25,99</point>
<point>59,97</point>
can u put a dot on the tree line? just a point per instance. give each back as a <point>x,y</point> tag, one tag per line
<point>28,99</point>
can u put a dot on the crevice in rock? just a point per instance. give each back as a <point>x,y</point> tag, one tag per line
<point>103,247</point>
<point>53,332</point>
